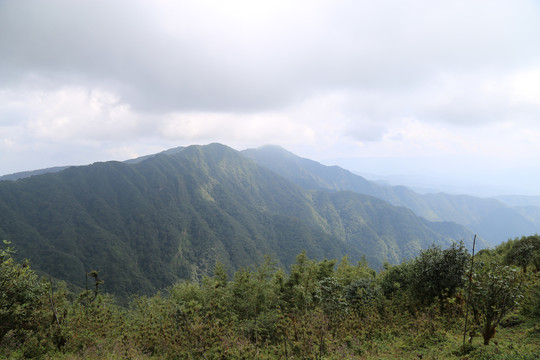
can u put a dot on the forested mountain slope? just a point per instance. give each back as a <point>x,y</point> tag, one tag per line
<point>491,219</point>
<point>146,224</point>
<point>25,174</point>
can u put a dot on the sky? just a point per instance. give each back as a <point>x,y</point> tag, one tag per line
<point>442,94</point>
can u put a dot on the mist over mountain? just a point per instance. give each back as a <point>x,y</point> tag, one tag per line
<point>519,200</point>
<point>148,223</point>
<point>467,174</point>
<point>493,220</point>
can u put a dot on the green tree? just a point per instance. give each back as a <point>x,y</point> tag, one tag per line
<point>298,289</point>
<point>330,296</point>
<point>496,290</point>
<point>396,279</point>
<point>438,273</point>
<point>22,294</point>
<point>254,299</point>
<point>531,301</point>
<point>363,292</point>
<point>347,273</point>
<point>524,251</point>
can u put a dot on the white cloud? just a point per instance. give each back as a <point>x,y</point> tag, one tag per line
<point>70,113</point>
<point>524,87</point>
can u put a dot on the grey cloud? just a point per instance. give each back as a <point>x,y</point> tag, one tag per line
<point>208,61</point>
<point>365,131</point>
<point>122,48</point>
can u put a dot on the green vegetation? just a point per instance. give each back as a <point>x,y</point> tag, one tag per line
<point>491,219</point>
<point>318,309</point>
<point>496,290</point>
<point>151,223</point>
<point>21,294</point>
<point>165,249</point>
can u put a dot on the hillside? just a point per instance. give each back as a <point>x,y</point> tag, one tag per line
<point>491,219</point>
<point>147,224</point>
<point>25,174</point>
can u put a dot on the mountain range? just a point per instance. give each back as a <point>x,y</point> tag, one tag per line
<point>494,219</point>
<point>152,221</point>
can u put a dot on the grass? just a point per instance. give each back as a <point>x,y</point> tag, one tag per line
<point>519,342</point>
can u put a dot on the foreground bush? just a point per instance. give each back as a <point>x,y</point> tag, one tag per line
<point>320,310</point>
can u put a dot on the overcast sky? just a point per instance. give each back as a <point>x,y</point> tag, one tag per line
<point>444,89</point>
